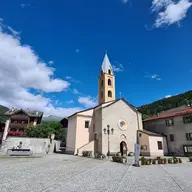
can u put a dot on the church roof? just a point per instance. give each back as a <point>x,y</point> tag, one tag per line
<point>106,65</point>
<point>110,103</point>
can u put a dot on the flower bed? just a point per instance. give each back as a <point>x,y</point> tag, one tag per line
<point>160,160</point>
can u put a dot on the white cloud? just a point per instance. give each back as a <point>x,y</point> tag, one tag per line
<point>87,101</point>
<point>118,67</point>
<point>124,1</point>
<point>51,62</point>
<point>170,12</point>
<point>75,91</point>
<point>21,69</point>
<point>24,5</point>
<point>77,50</point>
<point>154,76</point>
<point>9,29</point>
<point>167,96</point>
<point>70,102</point>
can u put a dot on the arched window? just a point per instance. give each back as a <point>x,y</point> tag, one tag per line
<point>109,94</point>
<point>109,71</point>
<point>109,82</point>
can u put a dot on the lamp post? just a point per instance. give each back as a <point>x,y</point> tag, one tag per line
<point>108,131</point>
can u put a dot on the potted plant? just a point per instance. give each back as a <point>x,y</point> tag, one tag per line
<point>154,161</point>
<point>123,160</point>
<point>164,161</point>
<point>170,160</point>
<point>180,161</point>
<point>148,162</point>
<point>143,160</point>
<point>175,160</point>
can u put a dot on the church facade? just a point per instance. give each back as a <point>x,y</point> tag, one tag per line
<point>110,127</point>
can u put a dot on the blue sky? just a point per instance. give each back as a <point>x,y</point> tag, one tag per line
<point>59,46</point>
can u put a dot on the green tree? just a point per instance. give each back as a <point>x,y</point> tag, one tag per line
<point>46,129</point>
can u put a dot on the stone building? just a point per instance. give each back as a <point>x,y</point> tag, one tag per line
<point>111,126</point>
<point>176,125</point>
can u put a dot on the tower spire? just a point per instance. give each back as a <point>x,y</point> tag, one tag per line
<point>106,82</point>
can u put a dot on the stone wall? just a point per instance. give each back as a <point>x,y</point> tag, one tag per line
<point>37,145</point>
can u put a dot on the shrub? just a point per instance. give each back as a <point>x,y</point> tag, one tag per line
<point>119,159</point>
<point>131,154</point>
<point>180,161</point>
<point>154,161</point>
<point>170,160</point>
<point>99,156</point>
<point>190,159</point>
<point>87,153</point>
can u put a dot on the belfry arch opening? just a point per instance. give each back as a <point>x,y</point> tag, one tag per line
<point>109,82</point>
<point>109,94</point>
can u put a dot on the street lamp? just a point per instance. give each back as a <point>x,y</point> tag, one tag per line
<point>108,131</point>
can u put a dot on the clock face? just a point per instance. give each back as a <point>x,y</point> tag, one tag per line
<point>122,124</point>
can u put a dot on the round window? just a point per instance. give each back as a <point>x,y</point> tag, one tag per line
<point>122,124</point>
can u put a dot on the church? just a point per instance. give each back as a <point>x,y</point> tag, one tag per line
<point>110,127</point>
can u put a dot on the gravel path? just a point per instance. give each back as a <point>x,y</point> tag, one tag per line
<point>67,173</point>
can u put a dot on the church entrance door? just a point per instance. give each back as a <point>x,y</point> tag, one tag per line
<point>123,148</point>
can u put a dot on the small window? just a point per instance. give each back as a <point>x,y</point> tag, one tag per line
<point>189,136</point>
<point>109,94</point>
<point>171,137</point>
<point>109,72</point>
<point>187,119</point>
<point>21,130</point>
<point>86,124</point>
<point>109,82</point>
<point>140,134</point>
<point>159,144</point>
<point>169,122</point>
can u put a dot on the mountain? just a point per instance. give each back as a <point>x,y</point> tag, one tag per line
<point>51,118</point>
<point>166,104</point>
<point>3,109</point>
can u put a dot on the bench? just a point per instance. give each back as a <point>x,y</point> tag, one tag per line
<point>19,152</point>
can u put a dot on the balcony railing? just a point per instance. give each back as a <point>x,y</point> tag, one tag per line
<point>15,133</point>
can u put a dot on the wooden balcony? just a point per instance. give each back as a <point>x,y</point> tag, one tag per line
<point>18,125</point>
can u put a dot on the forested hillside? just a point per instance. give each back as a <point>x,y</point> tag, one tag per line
<point>3,109</point>
<point>165,104</point>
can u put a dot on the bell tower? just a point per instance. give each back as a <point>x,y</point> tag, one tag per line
<point>106,82</point>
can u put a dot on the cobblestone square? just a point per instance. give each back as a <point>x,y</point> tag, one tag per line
<point>67,173</point>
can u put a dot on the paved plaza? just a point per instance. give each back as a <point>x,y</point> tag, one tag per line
<point>65,173</point>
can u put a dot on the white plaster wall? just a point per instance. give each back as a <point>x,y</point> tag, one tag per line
<point>144,140</point>
<point>154,151</point>
<point>71,134</point>
<point>37,145</point>
<point>82,133</point>
<point>111,115</point>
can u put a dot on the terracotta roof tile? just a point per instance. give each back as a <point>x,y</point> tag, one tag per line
<point>173,114</point>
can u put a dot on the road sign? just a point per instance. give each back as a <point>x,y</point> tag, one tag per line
<point>137,154</point>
